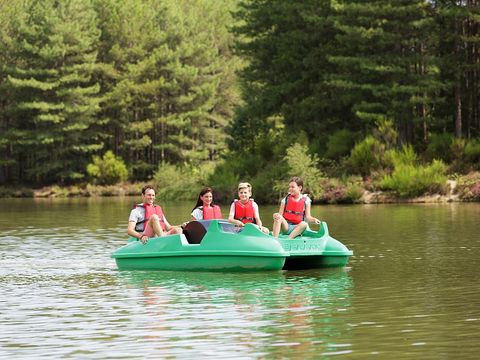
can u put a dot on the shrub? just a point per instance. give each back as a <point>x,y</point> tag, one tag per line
<point>339,144</point>
<point>405,156</point>
<point>302,164</point>
<point>468,187</point>
<point>181,183</point>
<point>108,170</point>
<point>472,152</point>
<point>224,181</point>
<point>386,133</point>
<point>409,179</point>
<point>457,150</point>
<point>439,147</point>
<point>345,191</point>
<point>366,156</point>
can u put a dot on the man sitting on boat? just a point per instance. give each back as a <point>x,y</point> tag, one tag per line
<point>148,220</point>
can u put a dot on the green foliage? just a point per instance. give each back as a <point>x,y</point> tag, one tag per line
<point>181,183</point>
<point>336,191</point>
<point>108,170</point>
<point>385,132</point>
<point>457,153</point>
<point>169,77</point>
<point>468,187</point>
<point>286,45</point>
<point>50,96</point>
<point>301,163</point>
<point>366,156</point>
<point>472,153</point>
<point>410,180</point>
<point>406,155</point>
<point>381,63</point>
<point>224,182</point>
<point>439,146</point>
<point>340,143</point>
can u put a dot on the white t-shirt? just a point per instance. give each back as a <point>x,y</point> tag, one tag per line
<point>256,213</point>
<point>197,214</point>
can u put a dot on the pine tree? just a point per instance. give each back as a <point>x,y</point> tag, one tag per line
<point>386,60</point>
<point>53,100</point>
<point>167,97</point>
<point>459,34</point>
<point>287,45</point>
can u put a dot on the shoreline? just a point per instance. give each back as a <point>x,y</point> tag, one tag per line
<point>453,194</point>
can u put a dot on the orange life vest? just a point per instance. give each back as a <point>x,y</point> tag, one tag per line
<point>244,212</point>
<point>149,211</point>
<point>294,211</point>
<point>211,212</point>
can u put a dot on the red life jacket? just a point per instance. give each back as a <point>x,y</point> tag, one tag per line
<point>294,211</point>
<point>244,212</point>
<point>211,212</point>
<point>149,211</point>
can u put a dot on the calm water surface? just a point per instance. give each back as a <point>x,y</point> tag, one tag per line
<point>410,291</point>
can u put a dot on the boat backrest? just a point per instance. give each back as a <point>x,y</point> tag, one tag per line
<point>194,231</point>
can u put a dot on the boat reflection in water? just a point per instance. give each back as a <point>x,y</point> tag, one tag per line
<point>250,314</point>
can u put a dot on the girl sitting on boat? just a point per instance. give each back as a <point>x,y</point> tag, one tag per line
<point>294,214</point>
<point>205,209</point>
<point>244,209</point>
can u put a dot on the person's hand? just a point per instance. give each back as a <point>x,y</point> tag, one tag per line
<point>276,216</point>
<point>143,239</point>
<point>318,222</point>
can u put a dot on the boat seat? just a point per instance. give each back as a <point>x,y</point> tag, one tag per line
<point>194,231</point>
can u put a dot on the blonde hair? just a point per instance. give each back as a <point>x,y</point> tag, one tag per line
<point>244,185</point>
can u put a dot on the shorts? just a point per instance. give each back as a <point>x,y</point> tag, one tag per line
<point>290,229</point>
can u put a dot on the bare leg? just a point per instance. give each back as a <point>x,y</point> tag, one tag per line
<point>154,222</point>
<point>278,222</point>
<point>175,230</point>
<point>300,228</point>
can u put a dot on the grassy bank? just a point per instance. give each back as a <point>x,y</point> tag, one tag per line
<point>464,188</point>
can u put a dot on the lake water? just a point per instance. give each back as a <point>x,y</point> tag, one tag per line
<point>410,291</point>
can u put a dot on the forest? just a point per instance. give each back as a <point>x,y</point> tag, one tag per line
<point>352,95</point>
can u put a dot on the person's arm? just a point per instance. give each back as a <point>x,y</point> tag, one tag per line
<point>132,232</point>
<point>308,215</point>
<point>169,227</point>
<point>256,215</point>
<point>231,216</point>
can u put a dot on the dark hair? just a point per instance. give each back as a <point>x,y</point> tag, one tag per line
<point>205,190</point>
<point>298,180</point>
<point>146,187</point>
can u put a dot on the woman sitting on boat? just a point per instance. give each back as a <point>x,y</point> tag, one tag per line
<point>294,213</point>
<point>244,209</point>
<point>148,220</point>
<point>205,209</point>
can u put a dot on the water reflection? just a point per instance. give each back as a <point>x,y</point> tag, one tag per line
<point>283,313</point>
<point>412,290</point>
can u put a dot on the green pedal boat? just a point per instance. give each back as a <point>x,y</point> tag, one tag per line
<point>217,245</point>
